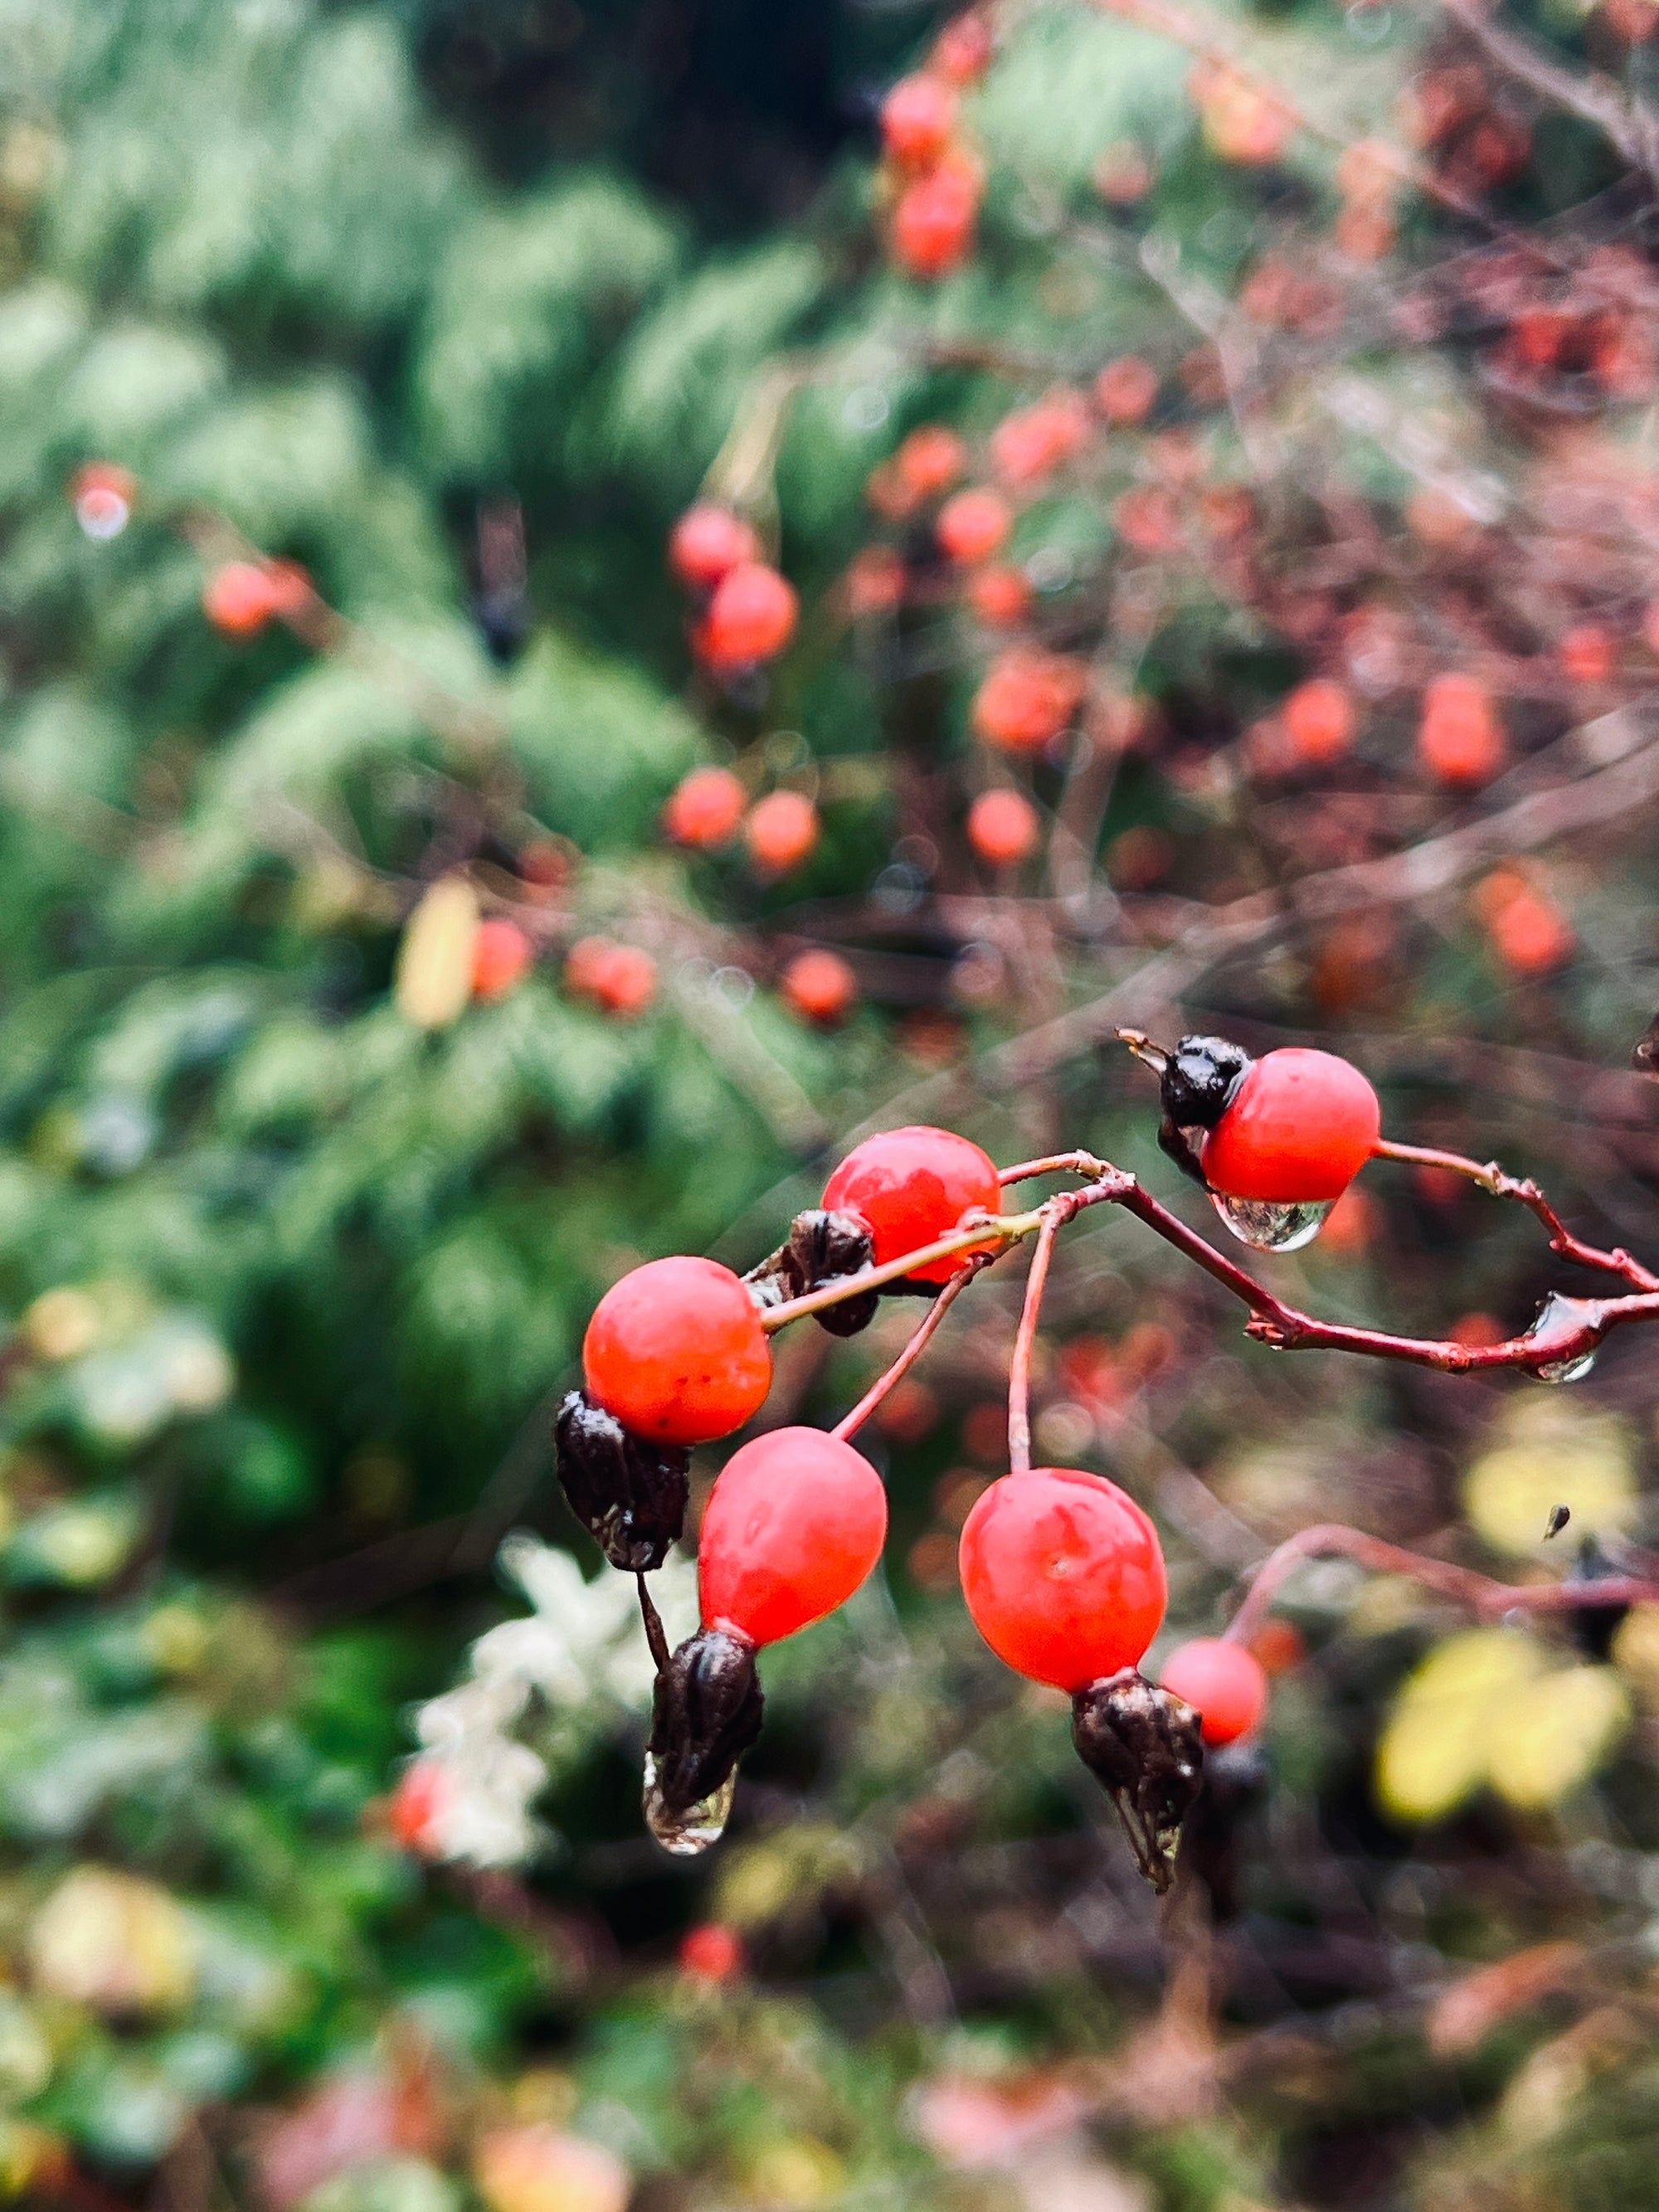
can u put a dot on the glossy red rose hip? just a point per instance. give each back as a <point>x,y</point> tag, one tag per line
<point>794,1523</point>
<point>676,1353</point>
<point>913,1186</point>
<point>1063,1575</point>
<point>1223,1683</point>
<point>1301,1126</point>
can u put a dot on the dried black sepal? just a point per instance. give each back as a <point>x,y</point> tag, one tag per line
<point>1594,1626</point>
<point>705,1715</point>
<point>822,1248</point>
<point>1142,1743</point>
<point>630,1494</point>
<point>1197,1083</point>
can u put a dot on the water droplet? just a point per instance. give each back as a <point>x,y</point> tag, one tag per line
<point>1558,1321</point>
<point>1271,1226</point>
<point>685,1834</point>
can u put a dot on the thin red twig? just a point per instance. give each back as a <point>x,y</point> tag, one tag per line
<point>851,1423</point>
<point>1489,1599</point>
<point>1019,1367</point>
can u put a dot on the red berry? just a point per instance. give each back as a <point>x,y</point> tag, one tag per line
<point>1002,828</point>
<point>103,494</point>
<point>973,525</point>
<point>913,1186</point>
<point>1225,1685</point>
<point>238,598</point>
<point>1125,389</point>
<point>917,118</point>
<point>1459,738</point>
<point>782,830</point>
<point>1529,933</point>
<point>417,1805</point>
<point>932,228</point>
<point>675,1351</point>
<point>707,543</point>
<point>1027,698</point>
<point>705,808</point>
<point>713,1953</point>
<point>1319,721</point>
<point>820,986</point>
<point>1063,1574</point>
<point>1301,1126</point>
<point>501,955</point>
<point>963,50</point>
<point>794,1523</point>
<point>1029,444</point>
<point>619,979</point>
<point>999,596</point>
<point>930,461</point>
<point>750,618</point>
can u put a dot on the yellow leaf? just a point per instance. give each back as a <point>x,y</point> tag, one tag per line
<point>1433,1752</point>
<point>435,961</point>
<point>797,2171</point>
<point>1636,1652</point>
<point>1552,1458</point>
<point>1552,1738</point>
<point>541,2169</point>
<point>114,1942</point>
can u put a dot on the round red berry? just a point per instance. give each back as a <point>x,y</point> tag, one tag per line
<point>1461,739</point>
<point>1027,698</point>
<point>820,986</point>
<point>705,808</point>
<point>238,598</point>
<point>711,1952</point>
<point>707,543</point>
<point>1319,721</point>
<point>876,581</point>
<point>1588,654</point>
<point>501,955</point>
<point>1002,828</point>
<point>930,461</point>
<point>917,118</point>
<point>782,831</point>
<point>932,228</point>
<point>999,596</point>
<point>750,618</point>
<point>973,525</point>
<point>1033,441</point>
<point>963,50</point>
<point>1063,1575</point>
<point>675,1351</point>
<point>1299,1128</point>
<point>416,1807</point>
<point>1226,1684</point>
<point>619,979</point>
<point>913,1186</point>
<point>794,1523</point>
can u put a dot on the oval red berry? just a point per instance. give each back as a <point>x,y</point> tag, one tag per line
<point>676,1353</point>
<point>1063,1575</point>
<point>1223,1683</point>
<point>1300,1128</point>
<point>913,1186</point>
<point>794,1523</point>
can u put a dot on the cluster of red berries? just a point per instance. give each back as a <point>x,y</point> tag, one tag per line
<point>708,808</point>
<point>1062,1571</point>
<point>934,179</point>
<point>745,611</point>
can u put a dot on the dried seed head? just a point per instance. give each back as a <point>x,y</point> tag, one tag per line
<point>1142,1743</point>
<point>706,1714</point>
<point>630,1493</point>
<point>1199,1080</point>
<point>822,1248</point>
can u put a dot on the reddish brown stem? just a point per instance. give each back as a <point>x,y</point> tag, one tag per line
<point>851,1423</point>
<point>1491,1179</point>
<point>1056,1164</point>
<point>1485,1596</point>
<point>1055,1213</point>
